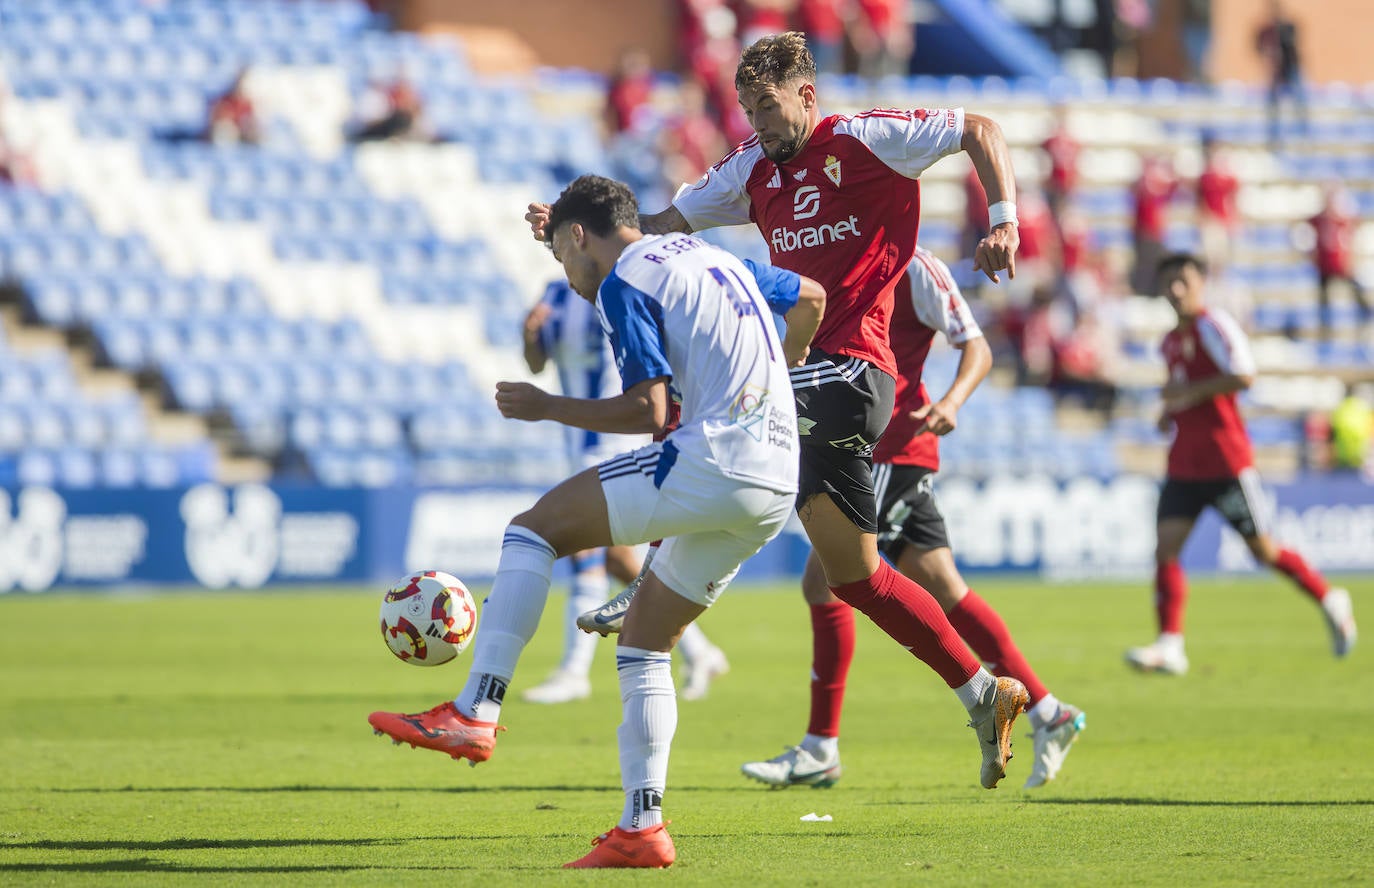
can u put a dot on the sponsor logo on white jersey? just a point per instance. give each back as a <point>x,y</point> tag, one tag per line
<point>806,202</point>
<point>785,240</point>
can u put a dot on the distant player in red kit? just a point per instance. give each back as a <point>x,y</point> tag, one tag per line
<point>837,198</point>
<point>912,536</point>
<point>1210,464</point>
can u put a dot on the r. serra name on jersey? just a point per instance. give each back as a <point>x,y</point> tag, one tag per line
<point>679,307</point>
<point>845,211</point>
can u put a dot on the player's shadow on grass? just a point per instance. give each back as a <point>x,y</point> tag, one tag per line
<point>1207,803</point>
<point>203,844</point>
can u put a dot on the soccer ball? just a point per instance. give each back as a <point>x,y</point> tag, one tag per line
<point>428,618</point>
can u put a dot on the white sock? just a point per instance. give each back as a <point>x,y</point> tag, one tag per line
<point>693,645</point>
<point>823,748</point>
<point>972,692</point>
<point>645,733</point>
<point>1044,711</point>
<point>590,589</point>
<point>1170,641</point>
<point>509,617</point>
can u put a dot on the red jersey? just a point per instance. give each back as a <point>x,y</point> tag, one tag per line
<point>1210,441</point>
<point>843,211</point>
<point>928,302</point>
<point>1335,234</point>
<point>821,19</point>
<point>1216,194</point>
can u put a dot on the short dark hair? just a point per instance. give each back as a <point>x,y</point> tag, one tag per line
<point>602,205</point>
<point>774,60</point>
<point>1179,261</point>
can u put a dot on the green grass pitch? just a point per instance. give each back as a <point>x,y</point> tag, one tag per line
<point>221,739</point>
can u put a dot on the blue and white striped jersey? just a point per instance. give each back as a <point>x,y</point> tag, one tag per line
<point>677,307</point>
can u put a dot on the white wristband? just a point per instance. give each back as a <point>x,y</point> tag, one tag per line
<point>1002,211</point>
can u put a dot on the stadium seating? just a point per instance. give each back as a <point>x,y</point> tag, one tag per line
<point>343,310</point>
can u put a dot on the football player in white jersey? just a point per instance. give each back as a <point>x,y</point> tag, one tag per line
<point>679,312</point>
<point>564,328</point>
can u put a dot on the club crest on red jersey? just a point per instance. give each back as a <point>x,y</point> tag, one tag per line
<point>832,168</point>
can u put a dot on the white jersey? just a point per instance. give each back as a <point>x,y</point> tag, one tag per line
<point>678,307</point>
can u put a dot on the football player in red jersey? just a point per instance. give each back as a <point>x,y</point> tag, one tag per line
<point>838,200</point>
<point>1211,464</point>
<point>912,536</point>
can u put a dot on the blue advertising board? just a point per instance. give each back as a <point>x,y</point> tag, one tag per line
<point>254,535</point>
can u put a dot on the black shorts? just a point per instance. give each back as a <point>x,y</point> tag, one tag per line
<point>1237,499</point>
<point>908,513</point>
<point>843,405</point>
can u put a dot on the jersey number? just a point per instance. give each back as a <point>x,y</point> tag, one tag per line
<point>736,292</point>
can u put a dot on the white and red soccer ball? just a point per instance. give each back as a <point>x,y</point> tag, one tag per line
<point>428,618</point>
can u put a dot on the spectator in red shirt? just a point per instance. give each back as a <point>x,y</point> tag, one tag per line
<point>1153,192</point>
<point>822,21</point>
<point>975,212</point>
<point>761,18</point>
<point>691,141</point>
<point>632,85</point>
<point>233,119</point>
<point>399,114</point>
<point>882,37</point>
<point>1062,149</point>
<point>1333,254</point>
<point>1218,215</point>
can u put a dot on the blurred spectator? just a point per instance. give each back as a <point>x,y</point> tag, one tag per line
<point>1040,250</point>
<point>1062,149</point>
<point>1352,428</point>
<point>761,18</point>
<point>1218,214</point>
<point>1333,254</point>
<point>394,111</point>
<point>1277,43</point>
<point>1197,37</point>
<point>1082,365</point>
<point>1104,34</point>
<point>822,21</point>
<point>233,118</point>
<point>631,87</point>
<point>16,168</point>
<point>691,140</point>
<point>1152,193</point>
<point>883,37</point>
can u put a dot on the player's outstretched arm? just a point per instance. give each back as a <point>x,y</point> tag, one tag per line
<point>975,360</point>
<point>667,221</point>
<point>803,320</point>
<point>641,409</point>
<point>987,149</point>
<point>535,356</point>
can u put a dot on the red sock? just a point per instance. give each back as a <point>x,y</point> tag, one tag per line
<point>985,632</point>
<point>1171,594</point>
<point>906,612</point>
<point>1296,568</point>
<point>832,650</point>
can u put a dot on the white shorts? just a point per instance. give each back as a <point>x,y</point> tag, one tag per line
<point>709,523</point>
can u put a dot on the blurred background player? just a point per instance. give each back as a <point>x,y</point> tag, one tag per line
<point>837,199</point>
<point>1211,464</point>
<point>566,329</point>
<point>1333,255</point>
<point>912,536</point>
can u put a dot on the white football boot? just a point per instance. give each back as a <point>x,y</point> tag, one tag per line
<point>1161,655</point>
<point>1340,620</point>
<point>561,687</point>
<point>698,674</point>
<point>795,767</point>
<point>1052,744</point>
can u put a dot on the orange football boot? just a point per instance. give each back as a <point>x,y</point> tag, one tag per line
<point>650,848</point>
<point>443,729</point>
